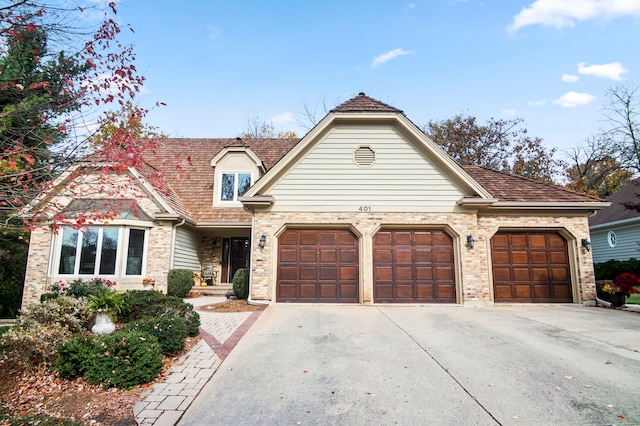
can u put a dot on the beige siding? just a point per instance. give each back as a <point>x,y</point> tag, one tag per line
<point>185,255</point>
<point>401,178</point>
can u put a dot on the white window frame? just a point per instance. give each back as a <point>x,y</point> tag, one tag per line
<point>121,253</point>
<point>125,251</point>
<point>218,198</point>
<point>612,239</point>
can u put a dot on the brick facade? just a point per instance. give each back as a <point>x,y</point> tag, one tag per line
<point>473,266</point>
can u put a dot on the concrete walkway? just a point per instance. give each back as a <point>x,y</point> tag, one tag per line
<point>166,402</point>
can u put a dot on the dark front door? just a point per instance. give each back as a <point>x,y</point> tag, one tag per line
<point>235,255</point>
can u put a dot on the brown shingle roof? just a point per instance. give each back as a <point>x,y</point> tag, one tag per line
<point>186,164</point>
<point>363,103</point>
<point>617,211</point>
<point>508,187</point>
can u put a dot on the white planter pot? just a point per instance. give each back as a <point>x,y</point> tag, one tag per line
<point>103,324</point>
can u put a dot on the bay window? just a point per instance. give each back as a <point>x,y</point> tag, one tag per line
<point>100,250</point>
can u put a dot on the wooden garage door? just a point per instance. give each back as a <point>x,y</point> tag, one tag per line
<point>531,267</point>
<point>413,266</point>
<point>318,266</point>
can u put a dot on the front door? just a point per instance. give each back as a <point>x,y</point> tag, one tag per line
<point>235,255</point>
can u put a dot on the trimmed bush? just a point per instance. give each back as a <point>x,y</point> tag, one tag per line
<point>136,302</point>
<point>170,330</point>
<point>123,359</point>
<point>179,282</point>
<point>149,303</point>
<point>612,268</point>
<point>241,283</point>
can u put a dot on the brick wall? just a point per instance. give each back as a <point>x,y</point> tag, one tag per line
<point>473,271</point>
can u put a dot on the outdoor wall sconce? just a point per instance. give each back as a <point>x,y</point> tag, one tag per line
<point>263,241</point>
<point>586,244</point>
<point>470,241</point>
<point>214,244</point>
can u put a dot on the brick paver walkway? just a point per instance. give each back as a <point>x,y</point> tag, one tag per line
<point>165,402</point>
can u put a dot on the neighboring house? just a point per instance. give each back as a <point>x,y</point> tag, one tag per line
<point>615,230</point>
<point>364,209</point>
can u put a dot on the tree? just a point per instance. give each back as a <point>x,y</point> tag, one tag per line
<point>259,129</point>
<point>55,79</point>
<point>501,145</point>
<point>623,113</point>
<point>594,168</point>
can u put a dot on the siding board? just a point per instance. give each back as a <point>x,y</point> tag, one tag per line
<point>402,176</point>
<point>627,247</point>
<point>186,250</point>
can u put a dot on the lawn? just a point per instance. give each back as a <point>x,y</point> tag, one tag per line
<point>633,299</point>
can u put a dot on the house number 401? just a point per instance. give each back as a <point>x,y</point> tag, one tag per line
<point>365,208</point>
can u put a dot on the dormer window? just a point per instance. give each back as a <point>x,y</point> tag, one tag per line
<point>234,185</point>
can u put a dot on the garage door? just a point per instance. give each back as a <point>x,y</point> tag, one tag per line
<point>413,266</point>
<point>318,266</point>
<point>531,267</point>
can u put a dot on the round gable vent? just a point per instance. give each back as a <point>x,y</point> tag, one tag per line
<point>364,156</point>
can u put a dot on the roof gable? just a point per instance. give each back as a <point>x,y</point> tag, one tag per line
<point>617,211</point>
<point>363,103</point>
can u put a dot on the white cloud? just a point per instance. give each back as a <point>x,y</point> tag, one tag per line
<point>573,99</point>
<point>570,78</point>
<point>381,59</point>
<point>511,112</point>
<point>543,102</point>
<point>612,71</point>
<point>565,13</point>
<point>283,118</point>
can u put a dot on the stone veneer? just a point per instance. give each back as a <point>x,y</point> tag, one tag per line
<point>473,266</point>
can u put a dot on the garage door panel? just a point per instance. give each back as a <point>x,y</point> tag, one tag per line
<point>308,255</point>
<point>520,257</point>
<point>317,266</point>
<point>421,260</point>
<point>542,291</point>
<point>404,273</point>
<point>537,269</point>
<point>329,256</point>
<point>403,256</point>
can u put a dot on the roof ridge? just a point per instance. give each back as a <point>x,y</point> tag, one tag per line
<point>364,103</point>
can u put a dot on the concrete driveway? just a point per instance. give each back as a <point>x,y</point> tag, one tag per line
<point>356,365</point>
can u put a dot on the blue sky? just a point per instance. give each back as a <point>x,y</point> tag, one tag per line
<point>549,62</point>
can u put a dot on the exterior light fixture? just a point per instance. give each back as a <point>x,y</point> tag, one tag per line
<point>470,241</point>
<point>263,241</point>
<point>586,244</point>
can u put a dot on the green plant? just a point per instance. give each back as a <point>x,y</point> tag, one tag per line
<point>612,268</point>
<point>169,329</point>
<point>241,283</point>
<point>80,288</point>
<point>145,303</point>
<point>107,300</point>
<point>32,341</point>
<point>123,359</point>
<point>179,282</point>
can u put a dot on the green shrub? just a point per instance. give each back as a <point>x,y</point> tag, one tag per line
<point>612,268</point>
<point>179,282</point>
<point>80,288</point>
<point>108,300</point>
<point>136,302</point>
<point>150,303</point>
<point>169,329</point>
<point>241,283</point>
<point>123,359</point>
<point>32,341</point>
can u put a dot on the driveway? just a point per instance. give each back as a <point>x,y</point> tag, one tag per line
<point>356,365</point>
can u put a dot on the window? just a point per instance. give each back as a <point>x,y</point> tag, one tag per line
<point>612,239</point>
<point>95,251</point>
<point>234,185</point>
